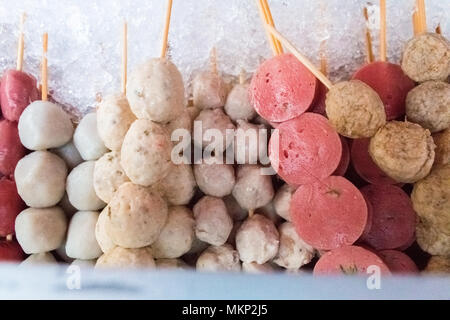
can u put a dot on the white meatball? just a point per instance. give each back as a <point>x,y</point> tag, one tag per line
<point>103,239</point>
<point>155,91</point>
<point>238,104</point>
<point>83,264</point>
<point>41,230</point>
<point>250,142</point>
<point>236,212</point>
<point>214,119</point>
<point>44,125</point>
<point>215,179</point>
<point>253,267</point>
<point>136,216</point>
<point>282,201</point>
<point>178,187</point>
<point>69,154</point>
<point>293,251</point>
<point>257,240</point>
<point>213,224</point>
<point>119,257</point>
<point>39,259</point>
<point>208,90</point>
<point>145,155</point>
<point>81,242</point>
<point>114,118</point>
<point>222,258</point>
<point>86,138</point>
<point>40,179</point>
<point>108,175</point>
<point>80,188</point>
<point>252,189</point>
<point>177,235</point>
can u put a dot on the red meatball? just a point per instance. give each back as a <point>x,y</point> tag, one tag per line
<point>10,206</point>
<point>11,149</point>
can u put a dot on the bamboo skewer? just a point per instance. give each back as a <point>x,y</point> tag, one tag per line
<point>242,76</point>
<point>166,28</point>
<point>383,30</point>
<point>269,20</point>
<point>370,57</point>
<point>262,15</point>
<point>323,59</point>
<point>44,80</point>
<point>305,61</point>
<point>21,44</point>
<point>213,60</point>
<point>422,16</point>
<point>124,57</point>
<point>415,21</point>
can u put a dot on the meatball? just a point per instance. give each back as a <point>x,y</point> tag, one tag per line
<point>429,105</point>
<point>108,175</point>
<point>102,237</point>
<point>67,207</point>
<point>438,264</point>
<point>282,201</point>
<point>114,118</point>
<point>442,142</point>
<point>80,188</point>
<point>218,121</point>
<point>208,90</point>
<point>38,129</point>
<point>253,267</point>
<point>178,187</point>
<point>136,216</point>
<point>177,235</point>
<point>81,242</point>
<point>427,57</point>
<point>125,258</point>
<point>145,155</point>
<point>183,121</point>
<point>236,212</point>
<point>171,264</point>
<point>87,140</point>
<point>41,230</point>
<point>355,109</point>
<point>250,142</point>
<point>69,154</point>
<point>403,150</point>
<point>40,179</point>
<point>257,240</point>
<point>432,240</point>
<point>238,106</point>
<point>222,258</point>
<point>252,189</point>
<point>213,224</point>
<point>39,259</point>
<point>215,179</point>
<point>293,251</point>
<point>155,91</point>
<point>431,198</point>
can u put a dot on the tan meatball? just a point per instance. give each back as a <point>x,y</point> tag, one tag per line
<point>213,224</point>
<point>114,118</point>
<point>442,142</point>
<point>208,90</point>
<point>257,240</point>
<point>236,212</point>
<point>81,242</point>
<point>145,155</point>
<point>41,230</point>
<point>212,122</point>
<point>80,188</point>
<point>37,129</point>
<point>136,216</point>
<point>222,258</point>
<point>282,201</point>
<point>427,57</point>
<point>438,264</point>
<point>429,105</point>
<point>252,189</point>
<point>403,150</point>
<point>177,235</point>
<point>39,259</point>
<point>431,198</point>
<point>102,237</point>
<point>69,154</point>
<point>108,175</point>
<point>253,267</point>
<point>87,140</point>
<point>171,264</point>
<point>250,142</point>
<point>432,240</point>
<point>293,251</point>
<point>155,91</point>
<point>238,106</point>
<point>215,179</point>
<point>355,109</point>
<point>178,187</point>
<point>126,258</point>
<point>183,121</point>
<point>40,179</point>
